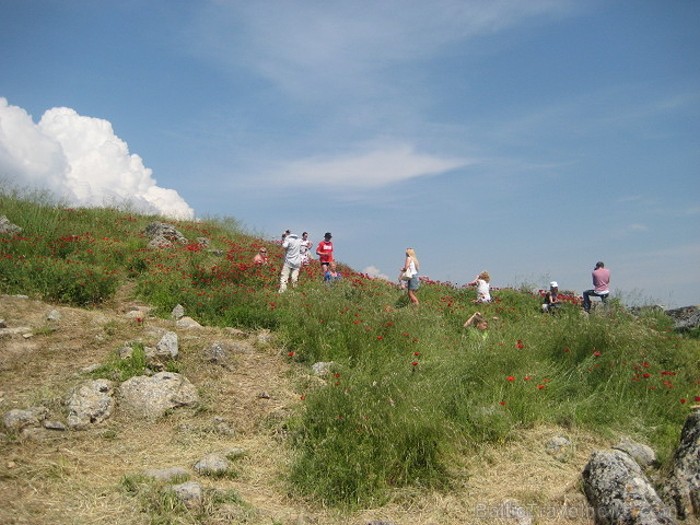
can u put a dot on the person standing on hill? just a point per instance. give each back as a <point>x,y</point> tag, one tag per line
<point>483,287</point>
<point>324,250</point>
<point>261,258</point>
<point>292,260</point>
<point>410,268</point>
<point>601,282</point>
<point>305,249</point>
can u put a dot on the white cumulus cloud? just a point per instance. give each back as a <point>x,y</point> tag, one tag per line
<point>81,161</point>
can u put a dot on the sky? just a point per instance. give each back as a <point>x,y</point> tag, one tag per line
<point>527,138</point>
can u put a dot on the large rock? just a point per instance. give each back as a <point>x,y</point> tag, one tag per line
<point>19,419</point>
<point>90,403</point>
<point>151,397</point>
<point>164,235</point>
<point>6,227</point>
<point>620,493</point>
<point>683,488</point>
<point>685,318</point>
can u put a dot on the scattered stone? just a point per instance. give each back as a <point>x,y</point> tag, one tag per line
<point>126,352</point>
<point>151,397</point>
<point>212,465</point>
<point>90,369</point>
<point>90,403</point>
<point>236,453</point>
<point>54,425</point>
<point>189,493</point>
<point>216,354</point>
<point>178,312</point>
<point>168,346</point>
<point>187,323</point>
<point>322,368</point>
<point>17,419</point>
<point>642,454</point>
<point>53,315</point>
<point>167,474</point>
<point>221,426</point>
<point>559,447</point>
<point>163,235</point>
<point>264,395</point>
<point>6,227</point>
<point>513,512</point>
<point>21,330</point>
<point>264,337</point>
<point>686,318</point>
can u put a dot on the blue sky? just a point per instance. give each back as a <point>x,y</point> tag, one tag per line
<point>528,138</point>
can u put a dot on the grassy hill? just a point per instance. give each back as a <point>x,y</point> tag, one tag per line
<point>415,405</point>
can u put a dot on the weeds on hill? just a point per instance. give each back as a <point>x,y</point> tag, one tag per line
<point>411,391</point>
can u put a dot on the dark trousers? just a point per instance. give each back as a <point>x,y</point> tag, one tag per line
<point>587,298</point>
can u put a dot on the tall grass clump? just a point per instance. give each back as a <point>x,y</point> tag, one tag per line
<point>410,390</point>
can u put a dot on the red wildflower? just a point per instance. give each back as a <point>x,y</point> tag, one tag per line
<point>526,378</point>
<point>416,354</point>
<point>683,401</point>
<point>380,337</point>
<point>697,399</point>
<point>646,375</point>
<point>596,353</point>
<point>502,403</point>
<point>291,354</point>
<point>510,378</point>
<point>415,363</point>
<point>566,350</point>
<point>540,387</point>
<point>519,344</point>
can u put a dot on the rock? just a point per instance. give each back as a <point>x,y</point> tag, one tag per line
<point>178,312</point>
<point>620,493</point>
<point>683,487</point>
<point>216,354</point>
<point>54,425</point>
<point>90,403</point>
<point>685,318</point>
<point>167,474</point>
<point>167,347</point>
<point>163,235</point>
<point>187,323</point>
<point>212,465</point>
<point>17,419</point>
<point>189,493</point>
<point>559,447</point>
<point>151,397</point>
<point>7,228</point>
<point>642,454</point>
<point>322,368</point>
<point>53,315</point>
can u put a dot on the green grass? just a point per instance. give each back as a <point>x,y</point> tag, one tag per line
<point>411,388</point>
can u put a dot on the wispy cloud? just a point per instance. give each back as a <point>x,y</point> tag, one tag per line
<point>365,170</point>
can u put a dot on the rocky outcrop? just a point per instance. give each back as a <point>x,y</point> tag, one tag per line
<point>90,403</point>
<point>686,318</point>
<point>683,487</point>
<point>620,493</point>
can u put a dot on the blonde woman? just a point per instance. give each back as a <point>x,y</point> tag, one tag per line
<point>483,287</point>
<point>410,268</point>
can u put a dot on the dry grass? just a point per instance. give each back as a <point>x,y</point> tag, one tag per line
<point>76,477</point>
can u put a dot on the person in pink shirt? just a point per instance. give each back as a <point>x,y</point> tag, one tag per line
<point>601,282</point>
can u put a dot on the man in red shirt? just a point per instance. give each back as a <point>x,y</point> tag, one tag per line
<point>601,281</point>
<point>324,250</point>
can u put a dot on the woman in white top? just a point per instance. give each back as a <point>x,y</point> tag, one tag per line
<point>483,287</point>
<point>412,265</point>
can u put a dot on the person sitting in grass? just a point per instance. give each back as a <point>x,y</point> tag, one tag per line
<point>551,299</point>
<point>478,321</point>
<point>332,274</point>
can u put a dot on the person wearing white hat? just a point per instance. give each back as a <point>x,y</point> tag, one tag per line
<point>551,298</point>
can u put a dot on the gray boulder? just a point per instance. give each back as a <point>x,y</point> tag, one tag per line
<point>620,493</point>
<point>685,318</point>
<point>90,403</point>
<point>6,227</point>
<point>163,235</point>
<point>19,419</point>
<point>151,397</point>
<point>683,487</point>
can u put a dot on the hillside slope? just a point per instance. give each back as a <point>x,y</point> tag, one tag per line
<point>77,477</point>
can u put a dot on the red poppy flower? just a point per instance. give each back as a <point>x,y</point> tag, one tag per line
<point>416,354</point>
<point>646,375</point>
<point>291,354</point>
<point>519,344</point>
<point>697,399</point>
<point>510,378</point>
<point>596,353</point>
<point>502,403</point>
<point>683,401</point>
<point>380,337</point>
<point>540,387</point>
<point>526,378</point>
<point>415,363</point>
